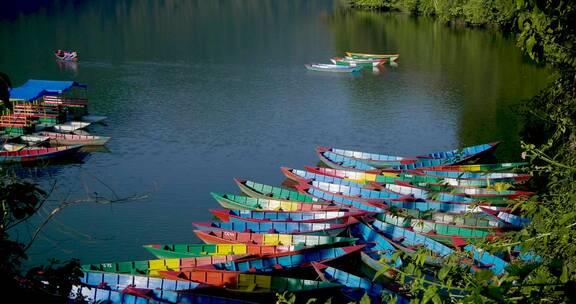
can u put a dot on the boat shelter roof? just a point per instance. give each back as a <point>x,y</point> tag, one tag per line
<point>34,89</point>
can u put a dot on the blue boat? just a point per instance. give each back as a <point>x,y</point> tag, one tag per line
<point>384,161</point>
<point>274,227</point>
<point>409,239</point>
<point>375,242</point>
<point>387,191</point>
<point>92,294</point>
<point>116,281</point>
<point>288,260</point>
<point>339,199</point>
<point>340,162</point>
<point>372,204</point>
<point>487,260</point>
<point>375,291</point>
<point>282,216</point>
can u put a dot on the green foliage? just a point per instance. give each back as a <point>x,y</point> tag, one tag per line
<point>20,200</point>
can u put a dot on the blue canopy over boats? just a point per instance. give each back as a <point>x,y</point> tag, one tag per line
<point>34,89</point>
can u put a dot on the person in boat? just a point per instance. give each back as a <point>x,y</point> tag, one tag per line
<point>60,53</point>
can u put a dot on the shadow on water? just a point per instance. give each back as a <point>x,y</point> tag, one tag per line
<point>46,169</point>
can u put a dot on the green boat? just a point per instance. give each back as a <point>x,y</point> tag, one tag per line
<point>258,190</point>
<point>241,202</point>
<point>153,267</point>
<point>361,63</point>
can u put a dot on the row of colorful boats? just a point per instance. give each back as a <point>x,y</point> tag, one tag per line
<point>47,121</point>
<point>353,62</point>
<point>329,231</point>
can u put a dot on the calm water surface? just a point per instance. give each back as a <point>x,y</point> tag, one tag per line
<point>199,92</point>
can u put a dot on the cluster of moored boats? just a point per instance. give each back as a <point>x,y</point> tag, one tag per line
<point>353,62</point>
<point>46,121</point>
<point>329,231</point>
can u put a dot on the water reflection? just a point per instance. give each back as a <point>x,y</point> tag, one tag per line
<point>476,75</point>
<point>70,67</point>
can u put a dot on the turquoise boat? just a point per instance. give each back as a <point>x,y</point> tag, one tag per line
<point>258,190</point>
<point>241,202</point>
<point>332,68</point>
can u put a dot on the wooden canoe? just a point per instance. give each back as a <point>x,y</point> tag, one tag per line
<point>74,139</point>
<point>274,227</point>
<point>267,239</point>
<point>281,216</point>
<point>172,251</point>
<point>240,202</point>
<point>37,154</point>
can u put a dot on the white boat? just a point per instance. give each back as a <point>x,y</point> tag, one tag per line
<point>75,139</point>
<point>70,126</point>
<point>34,138</point>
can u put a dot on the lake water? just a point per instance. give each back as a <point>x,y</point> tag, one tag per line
<point>198,92</point>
